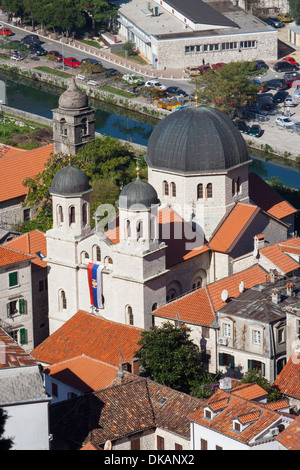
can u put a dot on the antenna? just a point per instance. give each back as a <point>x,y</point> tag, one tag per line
<point>224,295</point>
<point>241,286</point>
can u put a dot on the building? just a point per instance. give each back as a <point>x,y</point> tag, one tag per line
<point>287,381</point>
<point>23,397</point>
<point>176,34</point>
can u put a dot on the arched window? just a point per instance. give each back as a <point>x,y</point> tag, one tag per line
<point>63,127</point>
<point>153,229</point>
<point>154,307</point>
<point>165,188</point>
<point>60,215</point>
<point>139,229</point>
<point>200,191</point>
<point>71,215</point>
<point>233,187</point>
<point>129,315</point>
<point>96,253</point>
<point>173,189</point>
<point>84,126</point>
<point>62,300</point>
<point>127,229</point>
<point>209,191</point>
<point>238,185</point>
<point>197,283</point>
<point>84,214</point>
<point>84,257</point>
<point>108,261</point>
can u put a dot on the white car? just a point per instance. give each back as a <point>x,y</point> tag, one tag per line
<point>133,79</point>
<point>290,101</point>
<point>155,84</point>
<point>284,121</point>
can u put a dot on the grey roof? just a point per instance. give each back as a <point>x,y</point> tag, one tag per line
<point>138,195</point>
<point>21,385</point>
<point>200,12</point>
<point>196,140</point>
<point>73,97</point>
<point>70,181</point>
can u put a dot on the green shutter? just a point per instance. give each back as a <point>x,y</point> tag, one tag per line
<point>232,362</point>
<point>13,279</point>
<point>22,306</point>
<point>22,335</point>
<point>221,359</point>
<point>250,364</point>
<point>263,369</point>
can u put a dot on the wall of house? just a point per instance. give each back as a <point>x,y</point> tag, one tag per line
<point>12,212</point>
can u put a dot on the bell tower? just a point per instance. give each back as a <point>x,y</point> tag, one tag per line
<point>73,121</point>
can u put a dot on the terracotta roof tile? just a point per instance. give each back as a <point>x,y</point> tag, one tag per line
<point>277,255</point>
<point>83,373</point>
<point>9,256</point>
<point>268,199</point>
<point>277,405</point>
<point>15,168</point>
<point>91,335</point>
<point>290,437</point>
<point>30,242</point>
<point>13,355</point>
<point>288,380</point>
<point>233,227</point>
<point>249,391</point>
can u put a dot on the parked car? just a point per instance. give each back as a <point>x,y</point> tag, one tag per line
<point>30,39</point>
<point>290,101</point>
<point>219,65</point>
<point>285,67</point>
<point>16,56</point>
<point>112,73</point>
<point>255,130</point>
<point>55,55</point>
<point>290,60</point>
<point>280,96</point>
<point>192,71</point>
<point>277,84</point>
<point>6,32</point>
<point>91,61</point>
<point>275,22</point>
<point>72,62</point>
<point>155,84</point>
<point>260,65</point>
<point>242,126</point>
<point>263,88</point>
<point>284,121</point>
<point>175,90</point>
<point>37,49</point>
<point>284,17</point>
<point>204,68</point>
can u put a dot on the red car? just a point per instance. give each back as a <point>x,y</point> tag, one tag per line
<point>204,68</point>
<point>6,32</point>
<point>72,62</point>
<point>219,65</point>
<point>55,55</point>
<point>290,60</point>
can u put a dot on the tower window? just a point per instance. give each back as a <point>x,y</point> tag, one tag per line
<point>233,187</point>
<point>200,191</point>
<point>62,300</point>
<point>129,315</point>
<point>173,189</point>
<point>139,230</point>
<point>209,192</point>
<point>84,126</point>
<point>63,127</point>
<point>127,229</point>
<point>84,214</point>
<point>165,188</point>
<point>72,215</point>
<point>238,185</point>
<point>60,216</point>
<point>96,253</point>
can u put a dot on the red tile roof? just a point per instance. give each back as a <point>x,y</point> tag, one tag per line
<point>288,381</point>
<point>31,242</point>
<point>268,199</point>
<point>277,255</point>
<point>9,256</point>
<point>233,227</point>
<point>83,373</point>
<point>91,335</point>
<point>15,168</point>
<point>290,437</point>
<point>249,391</point>
<point>11,354</point>
<point>199,306</point>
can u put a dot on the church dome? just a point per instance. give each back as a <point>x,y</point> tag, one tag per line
<point>70,181</point>
<point>196,140</point>
<point>138,195</point>
<point>73,97</point>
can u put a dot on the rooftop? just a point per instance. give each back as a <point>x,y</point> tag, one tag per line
<point>288,380</point>
<point>31,242</point>
<point>9,256</point>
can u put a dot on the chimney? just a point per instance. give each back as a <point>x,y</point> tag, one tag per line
<point>273,275</point>
<point>225,384</point>
<point>135,366</point>
<point>259,241</point>
<point>123,366</point>
<point>276,296</point>
<point>290,289</point>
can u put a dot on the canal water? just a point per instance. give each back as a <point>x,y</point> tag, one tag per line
<point>41,99</point>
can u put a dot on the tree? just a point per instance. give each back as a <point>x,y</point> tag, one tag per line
<point>101,11</point>
<point>5,443</point>
<point>295,10</point>
<point>227,88</point>
<point>169,357</point>
<point>129,48</point>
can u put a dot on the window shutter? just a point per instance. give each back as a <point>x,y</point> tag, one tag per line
<point>8,310</point>
<point>221,359</point>
<point>250,364</point>
<point>13,279</point>
<point>22,306</point>
<point>263,369</point>
<point>22,335</point>
<point>232,362</point>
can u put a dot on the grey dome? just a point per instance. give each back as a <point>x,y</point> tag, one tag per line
<point>138,195</point>
<point>194,140</point>
<point>70,181</point>
<point>73,97</point>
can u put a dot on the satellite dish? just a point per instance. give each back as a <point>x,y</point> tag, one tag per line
<point>241,286</point>
<point>224,295</point>
<point>255,253</point>
<point>107,445</point>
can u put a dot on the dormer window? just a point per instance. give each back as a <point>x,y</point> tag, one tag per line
<point>207,413</point>
<point>237,426</point>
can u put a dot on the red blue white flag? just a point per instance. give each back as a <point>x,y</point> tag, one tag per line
<point>95,284</point>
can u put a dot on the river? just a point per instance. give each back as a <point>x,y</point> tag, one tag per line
<point>39,98</point>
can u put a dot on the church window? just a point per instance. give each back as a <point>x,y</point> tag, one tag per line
<point>60,216</point>
<point>153,223</point>
<point>129,315</point>
<point>63,127</point>
<point>233,187</point>
<point>127,229</point>
<point>238,185</point>
<point>139,229</point>
<point>165,188</point>
<point>71,215</point>
<point>154,307</point>
<point>84,126</point>
<point>84,257</point>
<point>200,191</point>
<point>197,283</point>
<point>62,300</point>
<point>173,189</point>
<point>96,253</point>
<point>84,214</point>
<point>209,192</point>
<point>108,261</point>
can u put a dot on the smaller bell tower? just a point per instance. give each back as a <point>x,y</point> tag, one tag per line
<point>73,121</point>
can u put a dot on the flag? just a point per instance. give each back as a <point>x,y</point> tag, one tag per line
<point>95,284</point>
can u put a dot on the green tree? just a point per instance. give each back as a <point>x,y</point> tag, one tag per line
<point>295,10</point>
<point>227,88</point>
<point>129,48</point>
<point>255,376</point>
<point>16,7</point>
<point>5,443</point>
<point>169,357</point>
<point>101,11</point>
